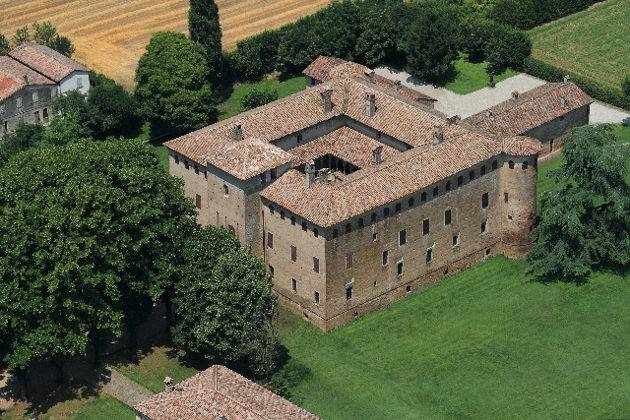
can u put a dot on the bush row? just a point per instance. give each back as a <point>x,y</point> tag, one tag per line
<point>553,74</point>
<point>525,14</point>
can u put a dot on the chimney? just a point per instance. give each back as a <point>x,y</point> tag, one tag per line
<point>237,132</point>
<point>515,95</point>
<point>453,120</point>
<point>563,102</point>
<point>310,174</point>
<point>26,79</point>
<point>327,104</point>
<point>567,78</point>
<point>377,155</point>
<point>370,104</point>
<point>438,134</point>
<point>369,73</point>
<point>168,384</point>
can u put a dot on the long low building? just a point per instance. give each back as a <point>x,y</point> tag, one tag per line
<point>355,195</point>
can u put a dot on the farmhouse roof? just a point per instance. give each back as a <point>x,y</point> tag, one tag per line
<point>46,61</point>
<point>14,76</point>
<point>219,392</point>
<point>531,109</point>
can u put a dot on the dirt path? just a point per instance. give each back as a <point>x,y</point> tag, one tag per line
<point>123,388</point>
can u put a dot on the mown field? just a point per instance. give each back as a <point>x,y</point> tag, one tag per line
<point>594,44</point>
<point>110,35</point>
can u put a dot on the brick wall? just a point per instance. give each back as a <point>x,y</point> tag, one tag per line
<point>550,134</point>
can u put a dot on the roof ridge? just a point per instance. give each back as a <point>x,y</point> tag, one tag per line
<point>530,96</point>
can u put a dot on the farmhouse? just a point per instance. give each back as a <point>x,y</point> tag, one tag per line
<point>355,195</point>
<point>545,113</point>
<point>218,393</point>
<point>30,77</point>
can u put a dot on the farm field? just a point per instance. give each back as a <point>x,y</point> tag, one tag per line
<point>110,35</point>
<point>594,44</point>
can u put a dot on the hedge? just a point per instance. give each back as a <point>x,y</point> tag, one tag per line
<point>553,74</point>
<point>525,14</point>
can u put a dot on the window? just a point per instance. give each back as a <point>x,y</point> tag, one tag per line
<point>271,209</point>
<point>386,212</point>
<point>348,228</point>
<point>281,214</point>
<point>293,253</point>
<point>484,201</point>
<point>506,197</point>
<point>262,178</point>
<point>299,138</point>
<point>483,227</point>
<point>447,187</point>
<point>196,170</point>
<point>304,226</point>
<point>335,233</point>
<point>349,293</point>
<point>494,165</point>
<point>45,114</point>
<point>274,173</point>
<point>460,181</point>
<point>423,197</point>
<point>79,83</point>
<point>483,170</point>
<point>176,160</point>
<point>408,289</point>
<point>315,233</point>
<point>402,237</point>
<point>271,270</point>
<point>316,297</point>
<point>226,190</point>
<point>398,207</point>
<point>456,239</point>
<point>425,227</point>
<point>373,218</point>
<point>447,217</point>
<point>186,165</point>
<point>385,257</point>
<point>511,164</point>
<point>436,192</point>
<point>293,220</point>
<point>232,230</point>
<point>471,175</point>
<point>270,240</point>
<point>36,116</point>
<point>197,201</point>
<point>19,103</point>
<point>429,256</point>
<point>525,165</point>
<point>294,285</point>
<point>411,202</point>
<point>360,222</point>
<point>316,264</point>
<point>349,260</point>
<point>374,234</point>
<point>35,97</point>
<point>400,267</point>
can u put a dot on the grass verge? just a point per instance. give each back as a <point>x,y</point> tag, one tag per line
<point>469,77</point>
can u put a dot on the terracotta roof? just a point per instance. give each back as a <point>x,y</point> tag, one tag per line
<point>344,143</point>
<point>249,158</point>
<point>220,392</point>
<point>46,61</point>
<point>531,109</point>
<point>521,146</point>
<point>14,76</point>
<point>324,69</point>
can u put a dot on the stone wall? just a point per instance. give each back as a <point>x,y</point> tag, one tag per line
<point>550,134</point>
<point>31,112</point>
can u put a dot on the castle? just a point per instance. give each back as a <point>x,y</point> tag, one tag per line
<point>355,193</point>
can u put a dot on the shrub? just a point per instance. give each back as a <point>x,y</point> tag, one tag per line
<point>525,14</point>
<point>257,97</point>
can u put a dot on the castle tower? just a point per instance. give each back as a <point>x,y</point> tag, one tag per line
<point>517,183</point>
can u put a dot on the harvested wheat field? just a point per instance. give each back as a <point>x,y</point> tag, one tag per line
<point>110,35</point>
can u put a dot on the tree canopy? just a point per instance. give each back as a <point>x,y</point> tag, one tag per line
<point>44,34</point>
<point>172,84</point>
<point>586,224</point>
<point>204,27</point>
<point>86,244</point>
<point>257,97</point>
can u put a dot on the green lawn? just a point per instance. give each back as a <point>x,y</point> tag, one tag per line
<point>594,44</point>
<point>152,368</point>
<point>102,407</point>
<point>470,77</point>
<point>232,106</point>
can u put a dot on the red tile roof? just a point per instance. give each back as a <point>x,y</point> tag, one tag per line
<point>46,61</point>
<point>14,76</point>
<point>531,109</point>
<point>220,392</point>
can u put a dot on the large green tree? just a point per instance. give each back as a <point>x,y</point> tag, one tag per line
<point>431,39</point>
<point>380,31</point>
<point>87,244</point>
<point>204,27</point>
<point>172,84</point>
<point>44,34</point>
<point>224,304</point>
<point>586,223</point>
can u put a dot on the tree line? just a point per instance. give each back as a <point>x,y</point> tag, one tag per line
<point>40,33</point>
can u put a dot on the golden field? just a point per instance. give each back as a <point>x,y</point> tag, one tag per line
<point>110,35</point>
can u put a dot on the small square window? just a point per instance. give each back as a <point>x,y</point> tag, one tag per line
<point>196,170</point>
<point>425,227</point>
<point>186,165</point>
<point>511,164</point>
<point>411,202</point>
<point>294,285</point>
<point>400,267</point>
<point>447,217</point>
<point>316,264</point>
<point>269,240</point>
<point>293,220</point>
<point>281,215</point>
<point>385,257</point>
<point>315,233</point>
<point>349,260</point>
<point>402,237</point>
<point>293,253</point>
<point>408,289</point>
<point>484,201</point>
<point>374,233</point>
<point>471,175</point>
<point>506,197</point>
<point>304,226</point>
<point>197,201</point>
<point>316,298</point>
<point>271,209</point>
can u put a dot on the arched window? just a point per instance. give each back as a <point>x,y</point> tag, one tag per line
<point>525,165</point>
<point>226,190</point>
<point>511,164</point>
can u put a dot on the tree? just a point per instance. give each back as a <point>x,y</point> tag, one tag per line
<point>204,27</point>
<point>431,40</point>
<point>625,85</point>
<point>21,36</point>
<point>87,239</point>
<point>117,113</point>
<point>171,84</point>
<point>5,47</point>
<point>224,304</point>
<point>586,224</point>
<point>257,97</point>
<point>24,137</point>
<point>380,32</point>
<point>506,48</point>
<point>46,34</point>
<point>65,129</point>
<point>256,56</point>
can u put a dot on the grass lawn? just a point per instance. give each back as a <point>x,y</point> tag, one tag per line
<point>470,77</point>
<point>594,44</point>
<point>151,368</point>
<point>232,106</point>
<point>102,407</point>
